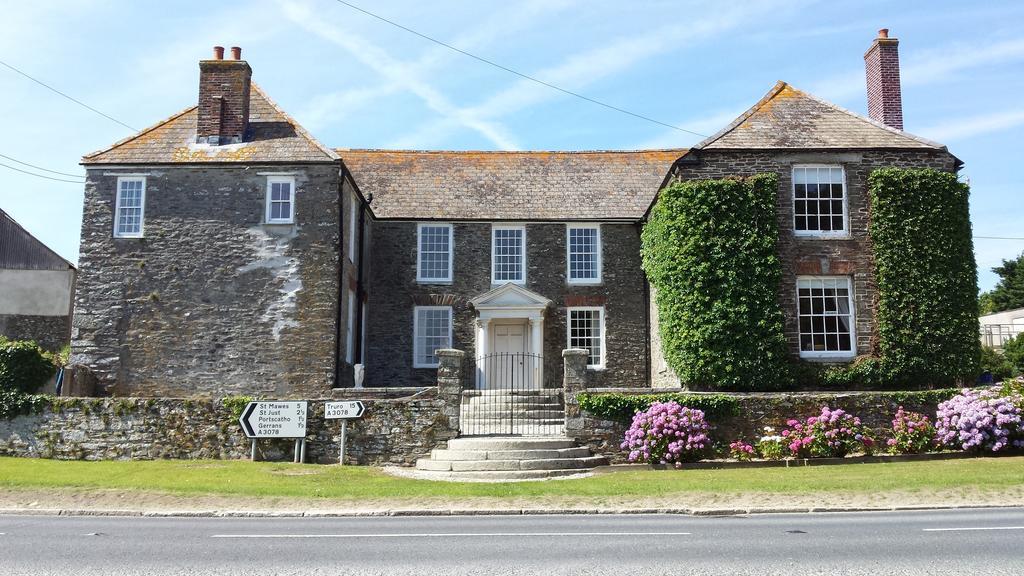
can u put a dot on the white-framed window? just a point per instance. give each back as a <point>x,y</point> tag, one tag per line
<point>350,331</point>
<point>129,207</point>
<point>353,233</point>
<point>819,201</point>
<point>825,311</point>
<point>434,252</point>
<point>586,331</point>
<point>508,254</point>
<point>432,331</point>
<point>583,253</point>
<point>280,199</point>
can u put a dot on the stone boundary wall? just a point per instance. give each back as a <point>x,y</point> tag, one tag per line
<point>756,410</point>
<point>392,431</point>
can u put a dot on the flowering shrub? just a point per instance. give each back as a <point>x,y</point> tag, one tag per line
<point>984,420</point>
<point>740,450</point>
<point>912,433</point>
<point>667,433</point>
<point>833,433</point>
<point>771,446</point>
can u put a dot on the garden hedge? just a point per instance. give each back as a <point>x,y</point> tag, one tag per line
<point>926,275</point>
<point>709,250</point>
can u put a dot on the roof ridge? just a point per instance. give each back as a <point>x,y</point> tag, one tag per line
<point>414,151</point>
<point>140,133</point>
<point>779,86</point>
<point>872,121</point>
<point>782,85</point>
<point>298,127</point>
<point>5,214</point>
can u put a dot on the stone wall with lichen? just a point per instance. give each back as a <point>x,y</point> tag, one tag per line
<point>213,300</point>
<point>392,431</point>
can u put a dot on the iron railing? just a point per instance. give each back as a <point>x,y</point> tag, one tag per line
<point>997,335</point>
<point>509,398</point>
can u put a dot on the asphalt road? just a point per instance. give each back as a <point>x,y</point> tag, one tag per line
<point>987,542</point>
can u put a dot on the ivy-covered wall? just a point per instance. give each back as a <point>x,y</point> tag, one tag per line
<point>709,251</point>
<point>927,278</point>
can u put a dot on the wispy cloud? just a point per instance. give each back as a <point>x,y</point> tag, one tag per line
<point>927,67</point>
<point>585,68</point>
<point>396,73</point>
<point>961,128</point>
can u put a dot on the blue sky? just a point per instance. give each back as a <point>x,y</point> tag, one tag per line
<point>356,82</point>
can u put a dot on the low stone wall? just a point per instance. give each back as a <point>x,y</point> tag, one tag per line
<point>756,410</point>
<point>392,430</point>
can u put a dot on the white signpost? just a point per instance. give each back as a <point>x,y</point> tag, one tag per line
<point>276,420</point>
<point>344,411</point>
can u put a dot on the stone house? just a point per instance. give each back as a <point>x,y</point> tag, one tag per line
<point>36,285</point>
<point>225,250</point>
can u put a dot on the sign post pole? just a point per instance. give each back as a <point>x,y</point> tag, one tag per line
<point>341,456</point>
<point>343,411</point>
<point>252,456</point>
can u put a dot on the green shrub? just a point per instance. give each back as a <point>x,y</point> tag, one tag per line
<point>622,407</point>
<point>24,366</point>
<point>236,404</point>
<point>709,251</point>
<point>1013,352</point>
<point>997,363</point>
<point>926,275</point>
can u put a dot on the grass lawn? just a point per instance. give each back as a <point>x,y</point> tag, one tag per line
<point>265,479</point>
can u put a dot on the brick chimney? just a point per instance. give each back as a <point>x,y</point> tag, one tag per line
<point>223,98</point>
<point>882,64</point>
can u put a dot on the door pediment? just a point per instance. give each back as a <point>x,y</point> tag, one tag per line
<point>510,296</point>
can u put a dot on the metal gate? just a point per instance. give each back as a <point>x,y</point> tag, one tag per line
<point>510,398</point>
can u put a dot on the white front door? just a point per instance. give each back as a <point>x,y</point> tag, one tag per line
<point>507,365</point>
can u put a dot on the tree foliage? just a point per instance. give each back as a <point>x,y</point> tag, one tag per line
<point>1009,291</point>
<point>709,251</point>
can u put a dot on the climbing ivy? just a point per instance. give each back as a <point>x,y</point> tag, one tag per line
<point>927,279</point>
<point>709,251</point>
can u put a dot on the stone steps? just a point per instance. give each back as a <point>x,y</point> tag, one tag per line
<point>510,458</point>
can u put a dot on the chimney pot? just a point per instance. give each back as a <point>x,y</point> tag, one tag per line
<point>236,53</point>
<point>218,52</point>
<point>882,70</point>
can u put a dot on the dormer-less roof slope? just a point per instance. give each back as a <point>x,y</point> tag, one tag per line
<point>510,186</point>
<point>787,118</point>
<point>273,137</point>
<point>20,250</point>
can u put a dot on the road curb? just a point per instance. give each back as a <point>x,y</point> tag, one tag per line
<point>478,512</point>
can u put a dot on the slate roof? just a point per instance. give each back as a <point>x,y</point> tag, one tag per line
<point>274,137</point>
<point>447,185</point>
<point>20,250</point>
<point>787,118</point>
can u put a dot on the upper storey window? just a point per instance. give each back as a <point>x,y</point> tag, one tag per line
<point>508,254</point>
<point>434,261</point>
<point>583,253</point>
<point>819,201</point>
<point>129,207</point>
<point>280,200</point>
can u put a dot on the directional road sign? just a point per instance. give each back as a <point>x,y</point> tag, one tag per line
<point>345,410</point>
<point>274,420</point>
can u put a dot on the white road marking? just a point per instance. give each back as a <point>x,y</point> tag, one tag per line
<point>451,535</point>
<point>976,529</point>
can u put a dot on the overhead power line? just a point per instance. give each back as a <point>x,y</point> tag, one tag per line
<point>999,237</point>
<point>520,74</point>
<point>15,160</point>
<point>76,101</point>
<point>41,175</point>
